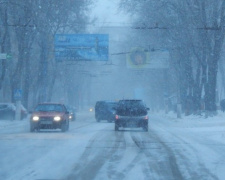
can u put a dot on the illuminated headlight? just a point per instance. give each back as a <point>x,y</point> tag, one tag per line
<point>35,118</point>
<point>57,118</point>
<point>70,117</point>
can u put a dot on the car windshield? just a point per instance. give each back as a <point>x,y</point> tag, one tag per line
<point>131,108</point>
<point>49,107</point>
<point>131,104</point>
<point>111,105</point>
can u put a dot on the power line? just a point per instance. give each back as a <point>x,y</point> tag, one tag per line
<point>213,28</point>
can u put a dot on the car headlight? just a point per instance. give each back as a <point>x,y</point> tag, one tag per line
<point>70,117</point>
<point>57,118</point>
<point>35,118</point>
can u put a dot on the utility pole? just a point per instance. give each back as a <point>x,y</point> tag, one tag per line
<point>178,99</point>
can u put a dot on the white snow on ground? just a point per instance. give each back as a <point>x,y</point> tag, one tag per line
<point>43,155</point>
<point>203,138</point>
<point>195,140</point>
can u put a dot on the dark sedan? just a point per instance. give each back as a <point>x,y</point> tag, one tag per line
<point>131,113</point>
<point>105,110</point>
<point>8,111</point>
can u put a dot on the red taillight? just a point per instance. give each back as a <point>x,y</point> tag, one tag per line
<point>117,117</point>
<point>146,117</point>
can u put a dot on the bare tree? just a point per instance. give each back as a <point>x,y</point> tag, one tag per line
<point>194,30</point>
<point>31,25</point>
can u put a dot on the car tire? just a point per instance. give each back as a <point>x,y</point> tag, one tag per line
<point>12,116</point>
<point>68,126</point>
<point>116,127</point>
<point>65,126</point>
<point>145,128</point>
<point>32,128</point>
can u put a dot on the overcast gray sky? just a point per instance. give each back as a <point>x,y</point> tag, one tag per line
<point>107,12</point>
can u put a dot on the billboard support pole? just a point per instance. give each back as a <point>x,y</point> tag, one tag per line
<point>18,110</point>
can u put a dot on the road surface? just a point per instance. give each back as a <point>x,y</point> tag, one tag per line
<point>170,150</point>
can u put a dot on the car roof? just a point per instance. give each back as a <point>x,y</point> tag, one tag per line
<point>130,100</point>
<point>106,102</point>
<point>51,103</point>
<point>6,103</point>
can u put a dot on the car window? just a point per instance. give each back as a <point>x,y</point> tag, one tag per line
<point>131,104</point>
<point>50,107</point>
<point>111,105</point>
<point>3,107</point>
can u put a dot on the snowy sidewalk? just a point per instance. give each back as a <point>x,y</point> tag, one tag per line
<point>211,126</point>
<point>13,125</point>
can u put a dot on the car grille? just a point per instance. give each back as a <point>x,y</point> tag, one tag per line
<point>46,119</point>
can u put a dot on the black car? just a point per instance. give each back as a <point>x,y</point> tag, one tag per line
<point>8,111</point>
<point>105,110</point>
<point>72,112</point>
<point>131,113</point>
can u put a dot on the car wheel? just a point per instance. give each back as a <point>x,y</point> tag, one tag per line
<point>32,128</point>
<point>116,127</point>
<point>145,128</point>
<point>12,117</point>
<point>68,125</point>
<point>64,127</point>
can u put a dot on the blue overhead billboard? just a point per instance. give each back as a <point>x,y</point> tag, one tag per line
<point>81,47</point>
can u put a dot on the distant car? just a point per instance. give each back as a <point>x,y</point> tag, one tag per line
<point>72,112</point>
<point>49,116</point>
<point>105,110</point>
<point>8,111</point>
<point>91,109</point>
<point>131,113</point>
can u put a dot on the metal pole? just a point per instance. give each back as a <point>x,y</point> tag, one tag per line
<point>18,110</point>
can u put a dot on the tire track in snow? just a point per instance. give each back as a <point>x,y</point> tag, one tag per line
<point>159,166</point>
<point>113,172</point>
<point>181,161</point>
<point>92,160</point>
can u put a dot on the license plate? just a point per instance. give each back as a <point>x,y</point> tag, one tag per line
<point>46,122</point>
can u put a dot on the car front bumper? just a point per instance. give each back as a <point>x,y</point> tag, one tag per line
<point>47,124</point>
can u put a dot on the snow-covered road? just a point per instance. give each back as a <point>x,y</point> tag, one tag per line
<point>188,148</point>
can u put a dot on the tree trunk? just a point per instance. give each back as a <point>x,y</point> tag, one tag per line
<point>27,81</point>
<point>210,101</point>
<point>43,71</point>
